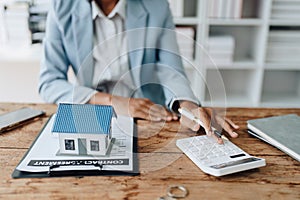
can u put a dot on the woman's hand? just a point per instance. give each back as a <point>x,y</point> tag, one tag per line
<point>209,118</point>
<point>142,108</point>
<point>134,107</point>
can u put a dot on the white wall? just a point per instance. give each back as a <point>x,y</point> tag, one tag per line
<point>19,71</point>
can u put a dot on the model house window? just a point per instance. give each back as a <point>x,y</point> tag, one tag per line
<point>94,145</point>
<point>69,144</point>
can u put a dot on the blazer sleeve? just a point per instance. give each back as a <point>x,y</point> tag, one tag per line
<point>170,68</point>
<point>54,86</point>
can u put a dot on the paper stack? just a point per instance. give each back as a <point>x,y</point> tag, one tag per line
<point>3,31</point>
<point>185,38</point>
<point>280,131</point>
<point>286,9</point>
<point>220,50</point>
<point>225,9</point>
<point>183,8</point>
<point>37,19</point>
<point>16,24</point>
<point>283,46</point>
<point>177,7</point>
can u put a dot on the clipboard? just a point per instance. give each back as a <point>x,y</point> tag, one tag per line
<point>99,172</point>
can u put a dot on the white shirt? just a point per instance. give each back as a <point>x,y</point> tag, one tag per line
<point>111,70</point>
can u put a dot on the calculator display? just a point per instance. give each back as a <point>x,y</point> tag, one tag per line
<point>232,163</point>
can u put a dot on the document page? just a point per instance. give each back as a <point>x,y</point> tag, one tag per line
<point>45,151</point>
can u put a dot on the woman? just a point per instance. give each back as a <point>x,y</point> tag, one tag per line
<point>124,53</point>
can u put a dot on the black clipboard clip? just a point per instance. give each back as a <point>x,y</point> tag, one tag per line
<point>51,167</point>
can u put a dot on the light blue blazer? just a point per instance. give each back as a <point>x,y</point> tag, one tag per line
<point>155,64</point>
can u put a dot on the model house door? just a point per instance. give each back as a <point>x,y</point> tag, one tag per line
<point>82,146</point>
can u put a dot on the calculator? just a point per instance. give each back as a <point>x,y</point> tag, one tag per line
<point>218,159</point>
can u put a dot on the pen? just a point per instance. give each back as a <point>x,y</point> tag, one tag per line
<point>197,120</point>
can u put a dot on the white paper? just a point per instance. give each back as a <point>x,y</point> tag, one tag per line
<point>44,152</point>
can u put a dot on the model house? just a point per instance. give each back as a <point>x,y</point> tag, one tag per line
<point>83,129</point>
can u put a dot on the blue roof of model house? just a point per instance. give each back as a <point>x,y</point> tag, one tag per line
<point>83,118</point>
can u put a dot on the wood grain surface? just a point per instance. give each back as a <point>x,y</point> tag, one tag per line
<point>161,165</point>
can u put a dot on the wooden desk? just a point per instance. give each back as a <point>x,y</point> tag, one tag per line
<point>161,165</point>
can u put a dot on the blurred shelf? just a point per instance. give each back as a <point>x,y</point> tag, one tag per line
<point>284,22</point>
<point>242,64</point>
<point>236,22</point>
<point>233,99</point>
<point>186,20</point>
<point>280,99</point>
<point>282,66</point>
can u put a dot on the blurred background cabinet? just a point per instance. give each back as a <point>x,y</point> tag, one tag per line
<point>236,52</point>
<point>252,45</point>
<point>22,28</point>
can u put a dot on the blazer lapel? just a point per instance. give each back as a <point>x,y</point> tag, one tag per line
<point>82,25</point>
<point>136,23</point>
